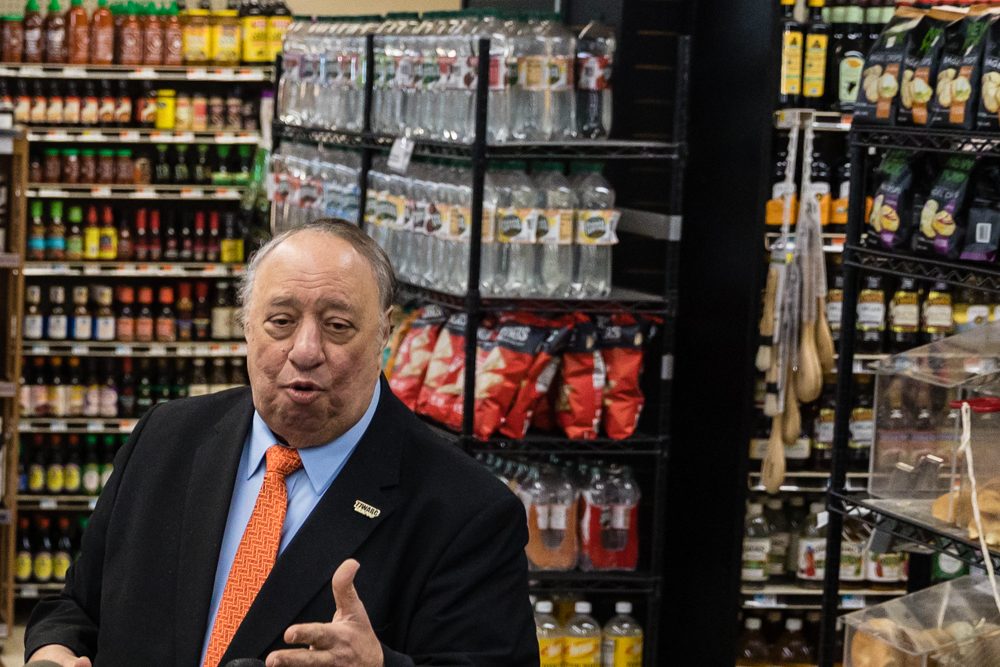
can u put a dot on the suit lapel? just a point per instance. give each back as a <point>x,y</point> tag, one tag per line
<point>206,507</point>
<point>332,533</point>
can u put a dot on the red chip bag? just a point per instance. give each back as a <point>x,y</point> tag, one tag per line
<point>620,339</point>
<point>445,374</point>
<point>543,416</point>
<point>415,354</point>
<point>578,404</point>
<point>536,382</point>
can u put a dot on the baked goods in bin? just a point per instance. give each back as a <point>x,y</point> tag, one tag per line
<point>955,508</point>
<point>883,642</point>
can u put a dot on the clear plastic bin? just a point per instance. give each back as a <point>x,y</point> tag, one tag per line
<point>954,624</point>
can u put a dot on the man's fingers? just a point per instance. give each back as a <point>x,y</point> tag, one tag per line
<point>316,635</point>
<point>344,593</point>
<point>82,662</point>
<point>299,657</point>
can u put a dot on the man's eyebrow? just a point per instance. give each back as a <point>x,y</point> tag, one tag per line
<point>323,303</point>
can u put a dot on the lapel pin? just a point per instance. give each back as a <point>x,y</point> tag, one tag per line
<point>366,509</point>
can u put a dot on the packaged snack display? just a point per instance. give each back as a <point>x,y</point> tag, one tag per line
<point>414,355</point>
<point>878,98</point>
<point>942,219</point>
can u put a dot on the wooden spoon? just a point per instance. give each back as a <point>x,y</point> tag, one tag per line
<point>765,351</point>
<point>791,423</point>
<point>824,339</point>
<point>809,376</point>
<point>772,470</point>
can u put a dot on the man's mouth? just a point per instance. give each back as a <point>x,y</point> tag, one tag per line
<point>302,391</point>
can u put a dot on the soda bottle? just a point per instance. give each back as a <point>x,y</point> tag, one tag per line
<point>554,230</point>
<point>582,646</point>
<point>550,635</point>
<point>595,52</point>
<point>622,645</point>
<point>596,222</point>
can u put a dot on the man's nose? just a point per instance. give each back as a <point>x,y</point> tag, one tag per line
<point>307,346</point>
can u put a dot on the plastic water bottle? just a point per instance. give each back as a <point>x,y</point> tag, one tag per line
<point>528,50</point>
<point>492,186</point>
<point>622,645</point>
<point>374,198</point>
<point>408,69</point>
<point>596,223</point>
<point>292,50</point>
<point>623,497</point>
<point>594,60</point>
<point>461,221</point>
<point>499,103</point>
<point>554,230</point>
<point>559,121</point>
<point>582,645</point>
<point>515,232</point>
<point>550,635</point>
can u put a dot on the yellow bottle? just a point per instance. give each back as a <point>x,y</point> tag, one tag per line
<point>582,646</point>
<point>550,636</point>
<point>622,646</point>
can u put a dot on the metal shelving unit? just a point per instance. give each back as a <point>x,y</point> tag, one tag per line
<point>76,425</point>
<point>116,269</point>
<point>115,349</point>
<point>662,227</point>
<point>64,135</point>
<point>137,192</point>
<point>211,73</point>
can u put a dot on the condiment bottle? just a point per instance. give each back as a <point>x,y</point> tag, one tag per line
<point>792,648</point>
<point>74,235</point>
<point>104,320</point>
<point>152,36</point>
<point>13,38</point>
<point>812,549</point>
<point>78,33</point>
<point>196,39</point>
<point>185,312</point>
<point>226,37</point>
<point>125,323</point>
<point>254,24</point>
<point>173,36</point>
<point>55,34</point>
<point>753,651</point>
<point>88,165</point>
<point>130,38</point>
<point>34,44</point>
<point>144,326</point>
<point>71,104</point>
<point>756,547</point>
<point>277,25</point>
<point>166,322</point>
<point>102,35</point>
<point>92,235</point>
<point>108,236</point>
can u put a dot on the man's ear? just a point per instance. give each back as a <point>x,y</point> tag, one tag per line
<point>387,324</point>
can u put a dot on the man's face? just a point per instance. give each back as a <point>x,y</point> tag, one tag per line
<point>315,334</point>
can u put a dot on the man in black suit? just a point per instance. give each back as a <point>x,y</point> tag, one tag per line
<point>440,542</point>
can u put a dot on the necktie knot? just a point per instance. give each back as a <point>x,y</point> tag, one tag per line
<point>282,460</point>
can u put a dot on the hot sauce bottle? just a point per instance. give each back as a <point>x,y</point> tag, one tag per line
<point>34,44</point>
<point>102,35</point>
<point>55,34</point>
<point>78,34</point>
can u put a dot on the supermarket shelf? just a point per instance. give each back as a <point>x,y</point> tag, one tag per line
<point>977,276</point>
<point>967,142</point>
<point>550,150</point>
<point>57,503</point>
<point>810,482</point>
<point>35,591</point>
<point>111,349</point>
<point>543,443</point>
<point>139,136</point>
<point>133,192</point>
<point>594,582</point>
<point>811,600</point>
<point>911,520</point>
<point>75,425</point>
<point>832,243</point>
<point>822,121</point>
<point>619,299</point>
<point>8,389</point>
<point>796,590</point>
<point>134,269</point>
<point>9,260</point>
<point>131,72</point>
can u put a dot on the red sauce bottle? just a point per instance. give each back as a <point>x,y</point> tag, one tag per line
<point>34,45</point>
<point>130,39</point>
<point>55,34</point>
<point>102,35</point>
<point>78,34</point>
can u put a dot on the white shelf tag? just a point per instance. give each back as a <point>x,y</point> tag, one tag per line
<point>48,503</point>
<point>95,426</point>
<point>75,72</point>
<point>29,592</point>
<point>762,600</point>
<point>852,602</point>
<point>57,425</point>
<point>399,156</point>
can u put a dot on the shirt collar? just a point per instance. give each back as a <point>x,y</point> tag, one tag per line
<point>321,463</point>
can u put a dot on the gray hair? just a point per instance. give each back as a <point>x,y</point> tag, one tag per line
<point>385,277</point>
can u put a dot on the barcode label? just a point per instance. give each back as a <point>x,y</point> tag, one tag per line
<point>983,230</point>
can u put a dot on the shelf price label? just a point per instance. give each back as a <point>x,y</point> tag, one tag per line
<point>192,193</point>
<point>39,349</point>
<point>143,73</point>
<point>29,592</point>
<point>57,426</point>
<point>201,350</point>
<point>100,192</point>
<point>158,350</point>
<point>94,425</point>
<point>90,135</point>
<point>184,137</point>
<point>122,350</point>
<point>184,351</point>
<point>48,504</point>
<point>56,135</point>
<point>197,73</point>
<point>852,602</point>
<point>52,192</point>
<point>30,70</point>
<point>130,135</point>
<point>78,350</point>
<point>126,426</point>
<point>400,154</point>
<point>75,72</point>
<point>143,193</point>
<point>765,600</point>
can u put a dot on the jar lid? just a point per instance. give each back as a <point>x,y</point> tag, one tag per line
<point>227,13</point>
<point>124,152</point>
<point>71,152</point>
<point>166,92</point>
<point>88,152</point>
<point>106,152</point>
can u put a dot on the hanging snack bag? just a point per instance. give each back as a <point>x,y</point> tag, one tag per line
<point>988,114</point>
<point>415,352</point>
<point>920,68</point>
<point>892,202</point>
<point>880,80</point>
<point>956,91</point>
<point>578,404</point>
<point>983,235</point>
<point>536,382</point>
<point>621,339</point>
<point>942,218</point>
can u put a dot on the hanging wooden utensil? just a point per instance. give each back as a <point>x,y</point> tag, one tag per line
<point>824,339</point>
<point>791,422</point>
<point>772,468</point>
<point>765,350</point>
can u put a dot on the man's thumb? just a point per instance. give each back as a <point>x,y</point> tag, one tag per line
<point>83,662</point>
<point>344,593</point>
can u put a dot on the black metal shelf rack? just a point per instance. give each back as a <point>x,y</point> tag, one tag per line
<point>928,536</point>
<point>650,447</point>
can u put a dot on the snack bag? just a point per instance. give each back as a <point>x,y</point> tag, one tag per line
<point>892,202</point>
<point>941,222</point>
<point>920,68</point>
<point>543,415</point>
<point>956,91</point>
<point>988,109</point>
<point>880,81</point>
<point>983,235</point>
<point>582,374</point>
<point>621,339</point>
<point>443,381</point>
<point>536,383</point>
<point>402,319</point>
<point>414,354</point>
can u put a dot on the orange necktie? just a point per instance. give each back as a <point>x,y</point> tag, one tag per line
<point>257,551</point>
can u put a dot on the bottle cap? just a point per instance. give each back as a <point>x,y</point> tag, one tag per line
<point>166,295</point>
<point>146,295</point>
<point>54,6</point>
<point>774,503</point>
<point>543,607</point>
<point>623,607</point>
<point>752,624</point>
<point>126,294</point>
<point>582,607</point>
<point>76,214</point>
<point>56,209</point>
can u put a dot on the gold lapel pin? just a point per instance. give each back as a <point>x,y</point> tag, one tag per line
<point>366,509</point>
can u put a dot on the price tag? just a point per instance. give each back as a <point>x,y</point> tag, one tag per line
<point>400,154</point>
<point>143,73</point>
<point>88,135</point>
<point>60,268</point>
<point>56,135</point>
<point>201,350</point>
<point>92,503</point>
<point>216,351</point>
<point>143,193</point>
<point>126,425</point>
<point>122,350</point>
<point>192,193</point>
<point>31,70</point>
<point>762,600</point>
<point>130,135</point>
<point>52,192</point>
<point>227,193</point>
<point>196,73</point>
<point>100,192</point>
<point>184,351</point>
<point>184,137</point>
<point>78,350</point>
<point>29,592</point>
<point>852,602</point>
<point>156,350</point>
<point>39,349</point>
<point>48,503</point>
<point>57,426</point>
<point>75,72</point>
<point>91,270</point>
<point>93,425</point>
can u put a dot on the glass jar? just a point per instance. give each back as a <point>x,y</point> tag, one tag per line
<point>216,112</point>
<point>226,43</point>
<point>143,170</point>
<point>166,105</point>
<point>105,166</point>
<point>197,37</point>
<point>183,112</point>
<point>199,112</point>
<point>52,166</point>
<point>124,167</point>
<point>88,165</point>
<point>35,173</point>
<point>71,166</point>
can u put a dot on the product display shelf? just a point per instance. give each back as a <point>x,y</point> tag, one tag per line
<point>822,121</point>
<point>76,425</point>
<point>63,135</point>
<point>14,164</point>
<point>57,503</point>
<point>212,73</point>
<point>794,597</point>
<point>979,276</point>
<point>116,349</point>
<point>36,591</point>
<point>809,482</point>
<point>548,443</point>
<point>137,192</point>
<point>660,359</point>
<point>965,142</point>
<point>134,269</point>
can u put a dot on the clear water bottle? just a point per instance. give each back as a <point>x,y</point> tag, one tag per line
<point>499,102</point>
<point>515,232</point>
<point>582,645</point>
<point>408,71</point>
<point>492,197</point>
<point>550,635</point>
<point>374,202</point>
<point>623,498</point>
<point>447,103</point>
<point>554,230</point>
<point>559,117</point>
<point>594,61</point>
<point>397,220</point>
<point>622,645</point>
<point>461,221</point>
<point>596,224</point>
<point>528,50</point>
<point>291,55</point>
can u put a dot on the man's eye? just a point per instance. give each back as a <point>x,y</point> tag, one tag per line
<point>280,321</point>
<point>339,326</point>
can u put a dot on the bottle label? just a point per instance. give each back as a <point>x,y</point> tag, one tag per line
<point>582,651</point>
<point>77,397</point>
<point>834,308</point>
<point>58,327</point>
<point>109,402</point>
<point>498,74</point>
<point>937,316</point>
<point>851,65</point>
<point>60,565</point>
<point>560,70</point>
<point>221,321</point>
<point>550,652</point>
<point>516,225</point>
<point>596,227</point>
<point>812,558</point>
<point>125,329</point>
<point>905,312</point>
<point>59,400</point>
<point>83,327</point>
<point>756,554</point>
<point>871,311</point>
<point>144,329</point>
<point>23,566</point>
<point>778,554</point>
<point>36,245</point>
<point>622,652</point>
<point>71,478</point>
<point>799,450</point>
<point>232,251</point>
<point>852,561</point>
<point>91,479</point>
<point>54,479</point>
<point>554,226</point>
<point>166,329</point>
<point>458,222</point>
<point>36,478</point>
<point>594,73</point>
<point>33,325</point>
<point>791,63</point>
<point>824,426</point>
<point>862,427</point>
<point>106,471</point>
<point>532,72</point>
<point>43,566</point>
<point>884,568</point>
<point>758,449</point>
<point>813,78</point>
<point>105,328</point>
<point>92,402</point>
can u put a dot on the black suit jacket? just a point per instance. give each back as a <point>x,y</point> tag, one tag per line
<point>443,573</point>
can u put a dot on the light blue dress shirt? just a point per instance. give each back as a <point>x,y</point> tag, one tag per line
<point>320,466</point>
